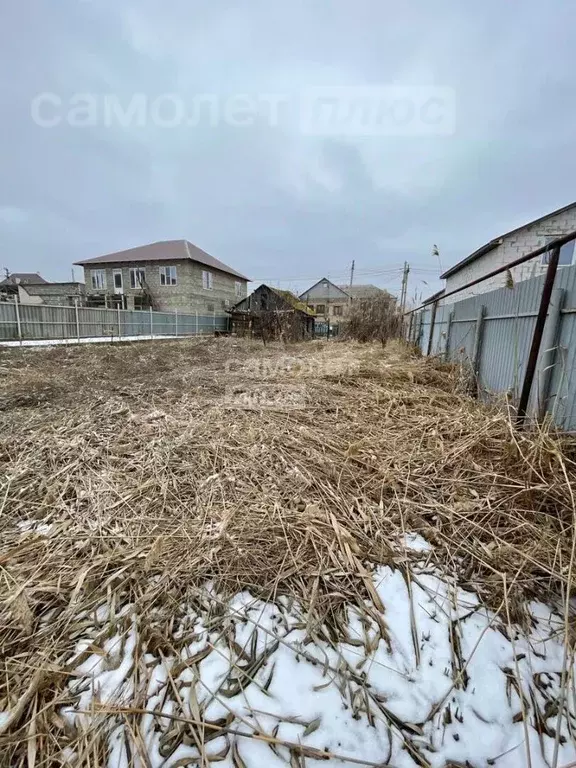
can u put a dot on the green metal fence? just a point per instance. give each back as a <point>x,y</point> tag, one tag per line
<point>28,322</point>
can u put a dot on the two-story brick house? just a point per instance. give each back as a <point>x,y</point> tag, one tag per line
<point>510,246</point>
<point>167,276</point>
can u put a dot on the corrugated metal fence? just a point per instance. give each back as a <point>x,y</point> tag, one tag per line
<point>493,332</point>
<point>34,322</point>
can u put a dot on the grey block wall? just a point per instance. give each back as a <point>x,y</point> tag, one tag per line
<point>528,239</point>
<point>188,295</point>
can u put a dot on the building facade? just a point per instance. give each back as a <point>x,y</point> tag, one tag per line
<point>32,288</point>
<point>332,303</point>
<point>508,247</point>
<point>327,300</point>
<point>169,276</point>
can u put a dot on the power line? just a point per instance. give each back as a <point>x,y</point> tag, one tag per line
<point>335,275</point>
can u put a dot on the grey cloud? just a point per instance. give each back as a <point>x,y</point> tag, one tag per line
<point>271,201</point>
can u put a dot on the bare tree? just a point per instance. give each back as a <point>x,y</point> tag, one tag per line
<point>374,319</point>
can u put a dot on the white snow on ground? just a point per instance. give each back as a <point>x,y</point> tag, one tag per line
<point>88,340</point>
<point>435,678</point>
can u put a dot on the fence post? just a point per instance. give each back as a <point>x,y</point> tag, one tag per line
<point>478,334</point>
<point>77,314</point>
<point>538,332</point>
<point>431,335</point>
<point>196,322</point>
<point>419,328</point>
<point>409,333</point>
<point>214,319</point>
<point>119,321</point>
<point>176,322</point>
<point>151,322</point>
<point>448,329</point>
<point>549,346</point>
<point>18,321</point>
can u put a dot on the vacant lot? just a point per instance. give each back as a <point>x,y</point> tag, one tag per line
<point>213,550</point>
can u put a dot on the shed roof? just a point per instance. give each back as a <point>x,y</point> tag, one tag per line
<point>164,250</point>
<point>294,301</point>
<point>286,296</point>
<point>489,246</point>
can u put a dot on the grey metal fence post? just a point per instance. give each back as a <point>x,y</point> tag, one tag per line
<point>18,321</point>
<point>448,329</point>
<point>420,328</point>
<point>77,314</point>
<point>431,335</point>
<point>214,319</point>
<point>151,322</point>
<point>119,321</point>
<point>549,346</point>
<point>196,322</point>
<point>478,334</point>
<point>176,322</point>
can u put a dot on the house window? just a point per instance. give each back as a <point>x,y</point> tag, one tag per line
<point>207,280</point>
<point>137,277</point>
<point>210,306</point>
<point>320,309</point>
<point>566,253</point>
<point>238,289</point>
<point>98,278</point>
<point>118,278</point>
<point>168,276</point>
<point>337,310</point>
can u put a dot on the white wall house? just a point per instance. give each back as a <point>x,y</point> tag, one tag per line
<point>508,247</point>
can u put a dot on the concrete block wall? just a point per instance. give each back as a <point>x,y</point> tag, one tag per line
<point>527,239</point>
<point>54,294</point>
<point>329,304</point>
<point>330,296</point>
<point>188,295</point>
<point>223,293</point>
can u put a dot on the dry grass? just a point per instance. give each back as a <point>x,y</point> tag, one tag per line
<point>153,484</point>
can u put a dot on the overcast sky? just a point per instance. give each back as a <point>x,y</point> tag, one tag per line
<point>270,197</point>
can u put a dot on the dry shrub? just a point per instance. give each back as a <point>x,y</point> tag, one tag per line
<point>374,319</point>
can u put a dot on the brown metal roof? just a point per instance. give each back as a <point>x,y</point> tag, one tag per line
<point>165,250</point>
<point>24,278</point>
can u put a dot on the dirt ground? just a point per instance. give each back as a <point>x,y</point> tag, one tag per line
<point>139,473</point>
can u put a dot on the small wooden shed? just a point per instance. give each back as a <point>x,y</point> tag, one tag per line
<point>270,313</point>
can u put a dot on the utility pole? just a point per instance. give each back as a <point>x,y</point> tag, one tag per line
<point>404,291</point>
<point>352,273</point>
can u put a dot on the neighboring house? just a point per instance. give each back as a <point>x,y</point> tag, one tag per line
<point>327,300</point>
<point>508,247</point>
<point>332,302</point>
<point>167,276</point>
<point>272,313</point>
<point>32,288</point>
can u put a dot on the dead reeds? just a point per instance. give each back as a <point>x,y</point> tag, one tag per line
<point>130,476</point>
